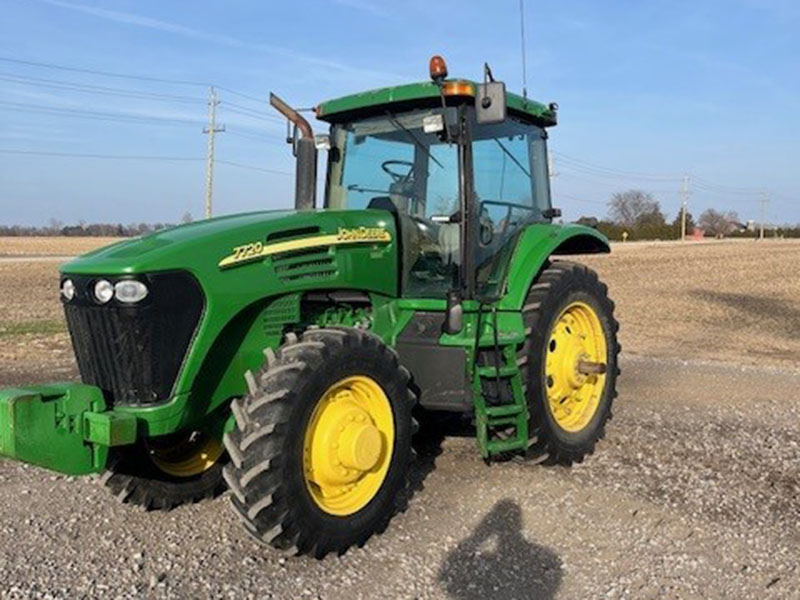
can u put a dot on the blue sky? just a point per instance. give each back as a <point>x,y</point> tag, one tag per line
<point>705,88</point>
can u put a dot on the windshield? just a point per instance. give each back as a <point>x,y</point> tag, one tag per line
<point>405,164</point>
<point>403,159</point>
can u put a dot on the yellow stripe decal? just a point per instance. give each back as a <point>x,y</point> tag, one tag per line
<point>258,250</point>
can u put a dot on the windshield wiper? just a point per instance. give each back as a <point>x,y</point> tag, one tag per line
<point>512,157</point>
<point>398,125</point>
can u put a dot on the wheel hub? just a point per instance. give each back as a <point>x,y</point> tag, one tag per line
<point>575,366</point>
<point>348,445</point>
<point>360,446</point>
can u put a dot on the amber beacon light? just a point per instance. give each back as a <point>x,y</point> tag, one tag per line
<point>438,68</point>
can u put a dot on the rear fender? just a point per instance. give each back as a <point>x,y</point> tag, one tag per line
<point>537,244</point>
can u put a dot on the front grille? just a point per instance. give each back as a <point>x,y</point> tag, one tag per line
<point>134,352</point>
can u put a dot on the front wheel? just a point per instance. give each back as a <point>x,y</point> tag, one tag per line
<point>321,453</point>
<point>165,472</point>
<point>571,356</point>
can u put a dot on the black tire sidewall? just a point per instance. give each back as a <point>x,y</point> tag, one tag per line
<point>348,361</point>
<point>571,287</point>
<point>133,469</point>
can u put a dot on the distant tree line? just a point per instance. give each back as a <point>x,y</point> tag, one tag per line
<point>637,215</point>
<point>82,229</point>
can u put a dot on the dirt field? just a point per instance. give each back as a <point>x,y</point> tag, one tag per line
<point>51,246</point>
<point>694,493</point>
<point>731,301</point>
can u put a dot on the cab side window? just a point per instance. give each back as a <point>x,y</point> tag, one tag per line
<point>511,190</point>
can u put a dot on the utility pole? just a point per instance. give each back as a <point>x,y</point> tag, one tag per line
<point>764,201</point>
<point>211,130</point>
<point>684,205</point>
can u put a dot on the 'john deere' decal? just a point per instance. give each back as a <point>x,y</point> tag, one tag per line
<point>258,250</point>
<point>363,234</point>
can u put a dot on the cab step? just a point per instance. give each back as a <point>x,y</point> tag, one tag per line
<point>502,427</point>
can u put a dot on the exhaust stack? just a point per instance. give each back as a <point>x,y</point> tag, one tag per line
<point>305,188</point>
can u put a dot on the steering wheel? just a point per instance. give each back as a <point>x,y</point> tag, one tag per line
<point>389,167</point>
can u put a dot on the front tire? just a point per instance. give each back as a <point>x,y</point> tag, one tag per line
<point>571,336</point>
<point>163,473</point>
<point>321,453</point>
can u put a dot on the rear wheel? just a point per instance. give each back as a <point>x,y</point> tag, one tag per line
<point>321,453</point>
<point>162,473</point>
<point>571,359</point>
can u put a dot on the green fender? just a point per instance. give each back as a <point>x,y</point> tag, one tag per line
<point>536,245</point>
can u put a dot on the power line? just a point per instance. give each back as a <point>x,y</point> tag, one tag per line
<point>578,199</point>
<point>252,114</point>
<point>94,114</point>
<point>699,183</point>
<point>253,168</point>
<point>242,95</point>
<point>102,73</point>
<point>724,187</point>
<point>93,89</point>
<point>48,65</point>
<point>581,164</point>
<point>259,138</point>
<point>614,183</point>
<point>139,157</point>
<point>101,156</point>
<point>252,110</point>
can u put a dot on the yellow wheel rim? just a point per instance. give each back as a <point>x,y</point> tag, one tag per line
<point>192,454</point>
<point>348,445</point>
<point>576,346</point>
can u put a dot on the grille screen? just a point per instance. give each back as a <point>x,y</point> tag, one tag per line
<point>134,353</point>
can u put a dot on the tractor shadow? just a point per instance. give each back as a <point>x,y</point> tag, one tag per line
<point>428,446</point>
<point>434,427</point>
<point>757,310</point>
<point>496,561</point>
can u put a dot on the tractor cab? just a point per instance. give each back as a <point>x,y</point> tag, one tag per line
<point>462,166</point>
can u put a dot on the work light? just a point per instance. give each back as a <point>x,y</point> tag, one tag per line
<point>68,289</point>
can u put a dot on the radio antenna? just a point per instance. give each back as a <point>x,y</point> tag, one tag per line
<point>522,36</point>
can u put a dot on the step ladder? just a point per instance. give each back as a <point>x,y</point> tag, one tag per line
<point>501,419</point>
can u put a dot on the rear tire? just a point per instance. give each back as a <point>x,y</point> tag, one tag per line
<point>272,474</point>
<point>564,291</point>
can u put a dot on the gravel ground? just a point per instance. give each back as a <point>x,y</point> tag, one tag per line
<point>688,497</point>
<point>695,493</point>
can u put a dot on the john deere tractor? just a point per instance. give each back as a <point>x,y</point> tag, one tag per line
<point>284,355</point>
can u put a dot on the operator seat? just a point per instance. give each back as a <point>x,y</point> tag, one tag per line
<point>410,236</point>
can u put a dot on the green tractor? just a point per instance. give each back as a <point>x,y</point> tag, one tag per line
<point>284,355</point>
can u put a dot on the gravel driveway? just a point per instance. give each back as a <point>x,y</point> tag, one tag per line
<point>695,493</point>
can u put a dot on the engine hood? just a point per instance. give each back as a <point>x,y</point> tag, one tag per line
<point>220,251</point>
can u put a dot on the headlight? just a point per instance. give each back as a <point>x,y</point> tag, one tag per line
<point>130,291</point>
<point>103,291</point>
<point>68,289</point>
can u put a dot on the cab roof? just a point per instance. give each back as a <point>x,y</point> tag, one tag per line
<point>427,93</point>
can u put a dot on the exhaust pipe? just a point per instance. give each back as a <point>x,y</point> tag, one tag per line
<point>305,187</point>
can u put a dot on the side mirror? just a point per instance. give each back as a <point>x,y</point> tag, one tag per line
<point>490,102</point>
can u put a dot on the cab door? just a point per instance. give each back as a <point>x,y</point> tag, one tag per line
<point>511,189</point>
